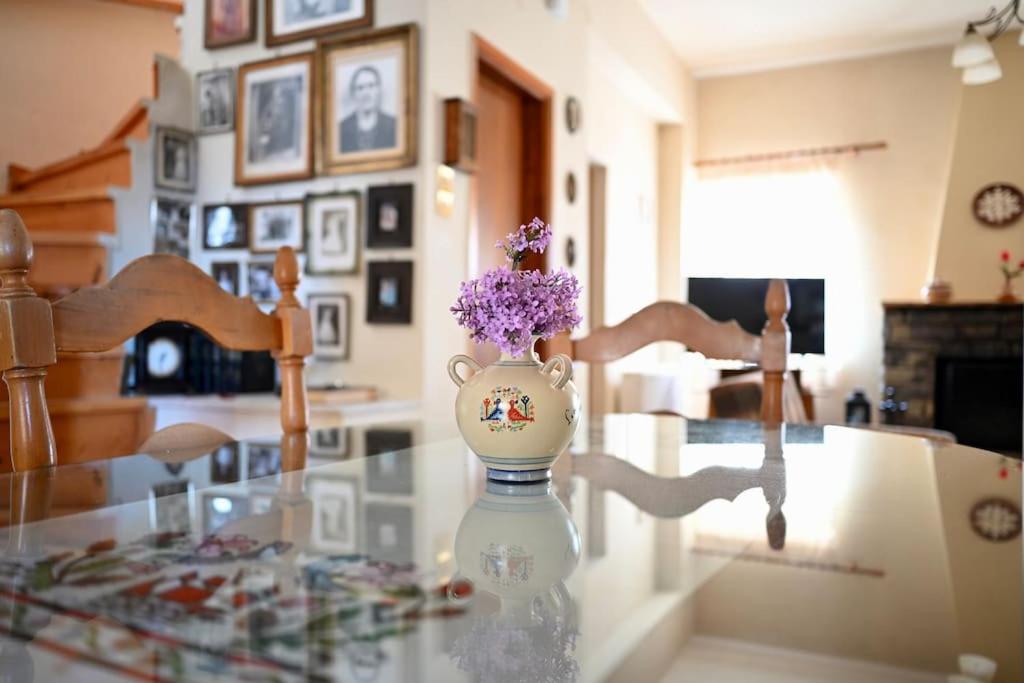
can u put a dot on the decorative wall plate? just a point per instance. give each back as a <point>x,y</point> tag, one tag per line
<point>998,205</point>
<point>996,519</point>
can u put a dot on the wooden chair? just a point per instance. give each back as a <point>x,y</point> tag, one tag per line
<point>687,324</point>
<point>149,290</point>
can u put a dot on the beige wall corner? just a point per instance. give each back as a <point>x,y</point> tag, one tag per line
<point>988,148</point>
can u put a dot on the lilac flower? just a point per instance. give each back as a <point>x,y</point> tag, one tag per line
<point>535,237</point>
<point>508,307</point>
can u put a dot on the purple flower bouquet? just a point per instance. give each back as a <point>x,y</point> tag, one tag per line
<point>509,307</point>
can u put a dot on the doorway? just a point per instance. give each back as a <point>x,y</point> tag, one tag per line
<point>513,177</point>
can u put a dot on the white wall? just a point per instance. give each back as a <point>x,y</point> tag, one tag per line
<point>385,356</point>
<point>598,36</point>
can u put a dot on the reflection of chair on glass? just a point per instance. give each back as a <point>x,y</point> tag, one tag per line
<point>671,497</point>
<point>150,289</point>
<point>687,324</point>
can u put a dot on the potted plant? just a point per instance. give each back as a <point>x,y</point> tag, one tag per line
<point>517,415</point>
<point>1009,275</point>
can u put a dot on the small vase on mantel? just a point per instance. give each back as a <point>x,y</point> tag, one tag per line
<point>1007,296</point>
<point>517,414</point>
<point>938,291</point>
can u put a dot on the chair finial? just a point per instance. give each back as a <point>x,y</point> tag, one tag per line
<point>15,254</point>
<point>776,305</point>
<point>286,275</point>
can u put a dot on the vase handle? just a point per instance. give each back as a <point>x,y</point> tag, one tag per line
<point>453,365</point>
<point>564,364</point>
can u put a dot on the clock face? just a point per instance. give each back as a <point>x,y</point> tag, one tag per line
<point>163,358</point>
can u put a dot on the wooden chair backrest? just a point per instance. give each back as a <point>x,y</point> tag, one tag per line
<point>688,325</point>
<point>150,289</point>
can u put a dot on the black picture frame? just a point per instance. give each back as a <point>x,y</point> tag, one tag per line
<point>230,270</point>
<point>389,211</point>
<point>214,215</point>
<point>389,292</point>
<point>225,464</point>
<point>332,442</point>
<point>386,471</point>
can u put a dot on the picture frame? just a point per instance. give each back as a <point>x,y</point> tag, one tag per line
<point>368,99</point>
<point>389,292</point>
<point>170,505</point>
<point>264,460</point>
<point>389,532</point>
<point>334,443</point>
<point>286,23</point>
<point>225,464</point>
<point>228,276</point>
<point>229,22</point>
<point>273,225</point>
<point>331,325</point>
<point>262,287</point>
<point>175,155</point>
<point>460,134</point>
<point>225,226</point>
<point>387,471</point>
<point>274,120</point>
<point>215,101</point>
<point>332,233</point>
<point>389,216</point>
<point>336,512</point>
<point>172,222</point>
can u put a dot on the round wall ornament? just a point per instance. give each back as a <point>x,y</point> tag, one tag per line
<point>998,205</point>
<point>996,519</point>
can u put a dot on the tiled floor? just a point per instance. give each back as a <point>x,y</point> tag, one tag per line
<point>724,661</point>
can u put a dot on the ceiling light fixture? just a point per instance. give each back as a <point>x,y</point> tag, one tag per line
<point>974,52</point>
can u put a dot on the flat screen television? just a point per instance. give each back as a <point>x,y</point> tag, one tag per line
<point>742,300</point>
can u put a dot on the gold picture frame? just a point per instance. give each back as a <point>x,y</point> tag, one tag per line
<point>279,153</point>
<point>371,124</point>
<point>239,35</point>
<point>358,15</point>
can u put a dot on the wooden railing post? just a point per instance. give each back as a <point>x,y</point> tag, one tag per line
<point>26,349</point>
<point>296,343</point>
<point>775,342</point>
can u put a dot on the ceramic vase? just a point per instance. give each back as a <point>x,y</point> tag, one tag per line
<point>517,414</point>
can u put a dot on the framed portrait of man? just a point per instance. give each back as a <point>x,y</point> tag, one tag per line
<point>273,140</point>
<point>368,100</point>
<point>291,20</point>
<point>175,159</point>
<point>262,287</point>
<point>330,313</point>
<point>215,100</point>
<point>229,22</point>
<point>332,233</point>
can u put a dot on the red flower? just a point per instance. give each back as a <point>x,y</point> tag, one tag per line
<point>1005,256</point>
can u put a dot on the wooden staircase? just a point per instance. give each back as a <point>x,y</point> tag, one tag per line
<point>69,209</point>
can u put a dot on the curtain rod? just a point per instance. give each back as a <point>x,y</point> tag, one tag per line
<point>855,148</point>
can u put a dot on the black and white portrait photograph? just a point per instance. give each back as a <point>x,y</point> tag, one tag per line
<point>290,20</point>
<point>330,313</point>
<point>225,226</point>
<point>389,292</point>
<point>226,273</point>
<point>275,225</point>
<point>369,101</point>
<point>264,460</point>
<point>215,97</point>
<point>330,443</point>
<point>262,287</point>
<point>171,219</point>
<point>275,105</point>
<point>175,152</point>
<point>332,233</point>
<point>335,513</point>
<point>389,216</point>
<point>224,464</point>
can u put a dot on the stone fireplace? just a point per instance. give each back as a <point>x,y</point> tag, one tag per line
<point>958,367</point>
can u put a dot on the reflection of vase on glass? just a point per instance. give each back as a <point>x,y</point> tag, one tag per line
<point>518,544</point>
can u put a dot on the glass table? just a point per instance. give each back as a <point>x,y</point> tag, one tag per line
<point>661,549</point>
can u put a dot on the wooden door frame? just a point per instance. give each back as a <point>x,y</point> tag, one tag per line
<point>538,128</point>
<point>597,181</point>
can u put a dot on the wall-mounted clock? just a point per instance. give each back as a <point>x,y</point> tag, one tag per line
<point>161,359</point>
<point>996,519</point>
<point>998,205</point>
